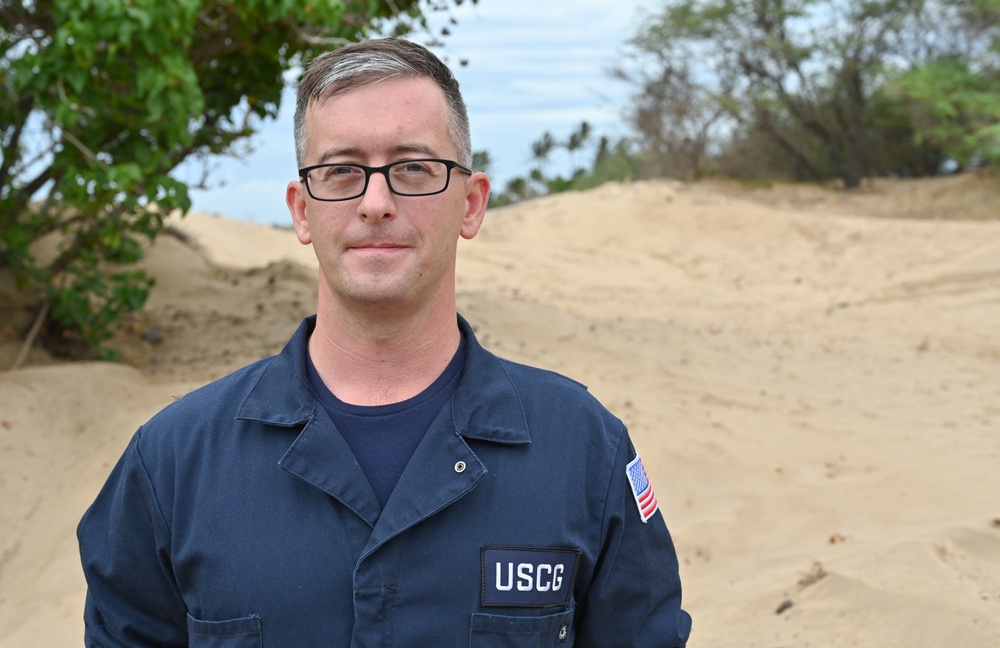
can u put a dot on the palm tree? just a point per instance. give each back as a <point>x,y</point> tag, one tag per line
<point>542,148</point>
<point>576,141</point>
<point>481,161</point>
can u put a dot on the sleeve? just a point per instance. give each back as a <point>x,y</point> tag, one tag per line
<point>634,599</point>
<point>132,597</point>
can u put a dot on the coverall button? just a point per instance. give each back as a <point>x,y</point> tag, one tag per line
<point>459,466</point>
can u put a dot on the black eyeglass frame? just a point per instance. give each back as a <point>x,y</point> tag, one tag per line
<point>384,170</point>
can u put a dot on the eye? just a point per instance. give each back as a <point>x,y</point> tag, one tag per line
<point>336,172</point>
<point>413,167</point>
<point>342,170</point>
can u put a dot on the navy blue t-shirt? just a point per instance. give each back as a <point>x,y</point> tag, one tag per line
<point>384,437</point>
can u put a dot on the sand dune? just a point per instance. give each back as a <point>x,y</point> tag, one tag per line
<point>814,387</point>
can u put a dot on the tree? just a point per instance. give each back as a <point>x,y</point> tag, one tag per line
<point>101,99</point>
<point>542,148</point>
<point>804,75</point>
<point>675,115</point>
<point>481,161</point>
<point>576,141</point>
<point>612,162</point>
<point>953,96</point>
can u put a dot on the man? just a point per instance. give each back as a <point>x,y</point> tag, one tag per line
<point>384,480</point>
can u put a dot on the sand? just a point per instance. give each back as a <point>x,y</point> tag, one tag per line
<point>812,378</point>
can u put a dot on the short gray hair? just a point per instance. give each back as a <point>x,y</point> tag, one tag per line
<point>371,61</point>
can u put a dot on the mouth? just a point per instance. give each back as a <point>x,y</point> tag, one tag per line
<point>378,246</point>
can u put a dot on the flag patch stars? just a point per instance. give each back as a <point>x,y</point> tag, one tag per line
<point>642,490</point>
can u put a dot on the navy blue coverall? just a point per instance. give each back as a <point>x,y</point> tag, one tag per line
<point>238,517</point>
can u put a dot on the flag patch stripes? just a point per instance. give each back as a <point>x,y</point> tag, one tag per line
<point>642,490</point>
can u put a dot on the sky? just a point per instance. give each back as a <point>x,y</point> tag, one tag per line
<point>533,66</point>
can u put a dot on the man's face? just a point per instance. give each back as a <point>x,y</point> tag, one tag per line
<point>382,249</point>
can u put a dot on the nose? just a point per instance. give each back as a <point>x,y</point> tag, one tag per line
<point>378,202</point>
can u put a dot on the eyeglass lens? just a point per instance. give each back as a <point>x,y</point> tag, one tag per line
<point>407,178</point>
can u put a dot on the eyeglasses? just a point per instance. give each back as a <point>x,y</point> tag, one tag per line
<point>336,182</point>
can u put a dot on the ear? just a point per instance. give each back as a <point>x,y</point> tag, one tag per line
<point>295,198</point>
<point>477,196</point>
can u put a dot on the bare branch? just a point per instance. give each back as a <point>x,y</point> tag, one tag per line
<point>29,341</point>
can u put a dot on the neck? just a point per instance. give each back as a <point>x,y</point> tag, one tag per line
<point>375,356</point>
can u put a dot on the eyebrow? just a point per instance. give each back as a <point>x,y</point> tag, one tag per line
<point>351,151</point>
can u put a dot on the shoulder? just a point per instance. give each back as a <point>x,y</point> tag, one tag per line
<point>202,420</point>
<point>220,397</point>
<point>277,382</point>
<point>561,402</point>
<point>536,378</point>
<point>496,380</point>
<point>204,433</point>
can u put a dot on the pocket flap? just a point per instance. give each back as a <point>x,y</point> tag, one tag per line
<point>243,632</point>
<point>545,630</point>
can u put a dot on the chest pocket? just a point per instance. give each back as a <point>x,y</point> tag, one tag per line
<point>500,631</point>
<point>232,633</point>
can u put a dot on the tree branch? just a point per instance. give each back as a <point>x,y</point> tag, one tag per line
<point>36,326</point>
<point>24,109</point>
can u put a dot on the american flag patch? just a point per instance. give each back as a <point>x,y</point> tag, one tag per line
<point>642,490</point>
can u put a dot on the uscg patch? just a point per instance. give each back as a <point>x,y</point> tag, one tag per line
<point>527,576</point>
<point>642,490</point>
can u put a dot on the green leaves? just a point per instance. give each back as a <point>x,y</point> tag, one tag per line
<point>814,89</point>
<point>955,109</point>
<point>100,100</point>
<point>87,300</point>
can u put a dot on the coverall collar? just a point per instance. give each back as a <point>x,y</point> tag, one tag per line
<point>485,406</point>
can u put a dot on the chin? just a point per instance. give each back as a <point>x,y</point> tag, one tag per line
<point>380,295</point>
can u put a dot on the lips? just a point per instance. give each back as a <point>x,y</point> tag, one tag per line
<point>377,249</point>
<point>378,246</point>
